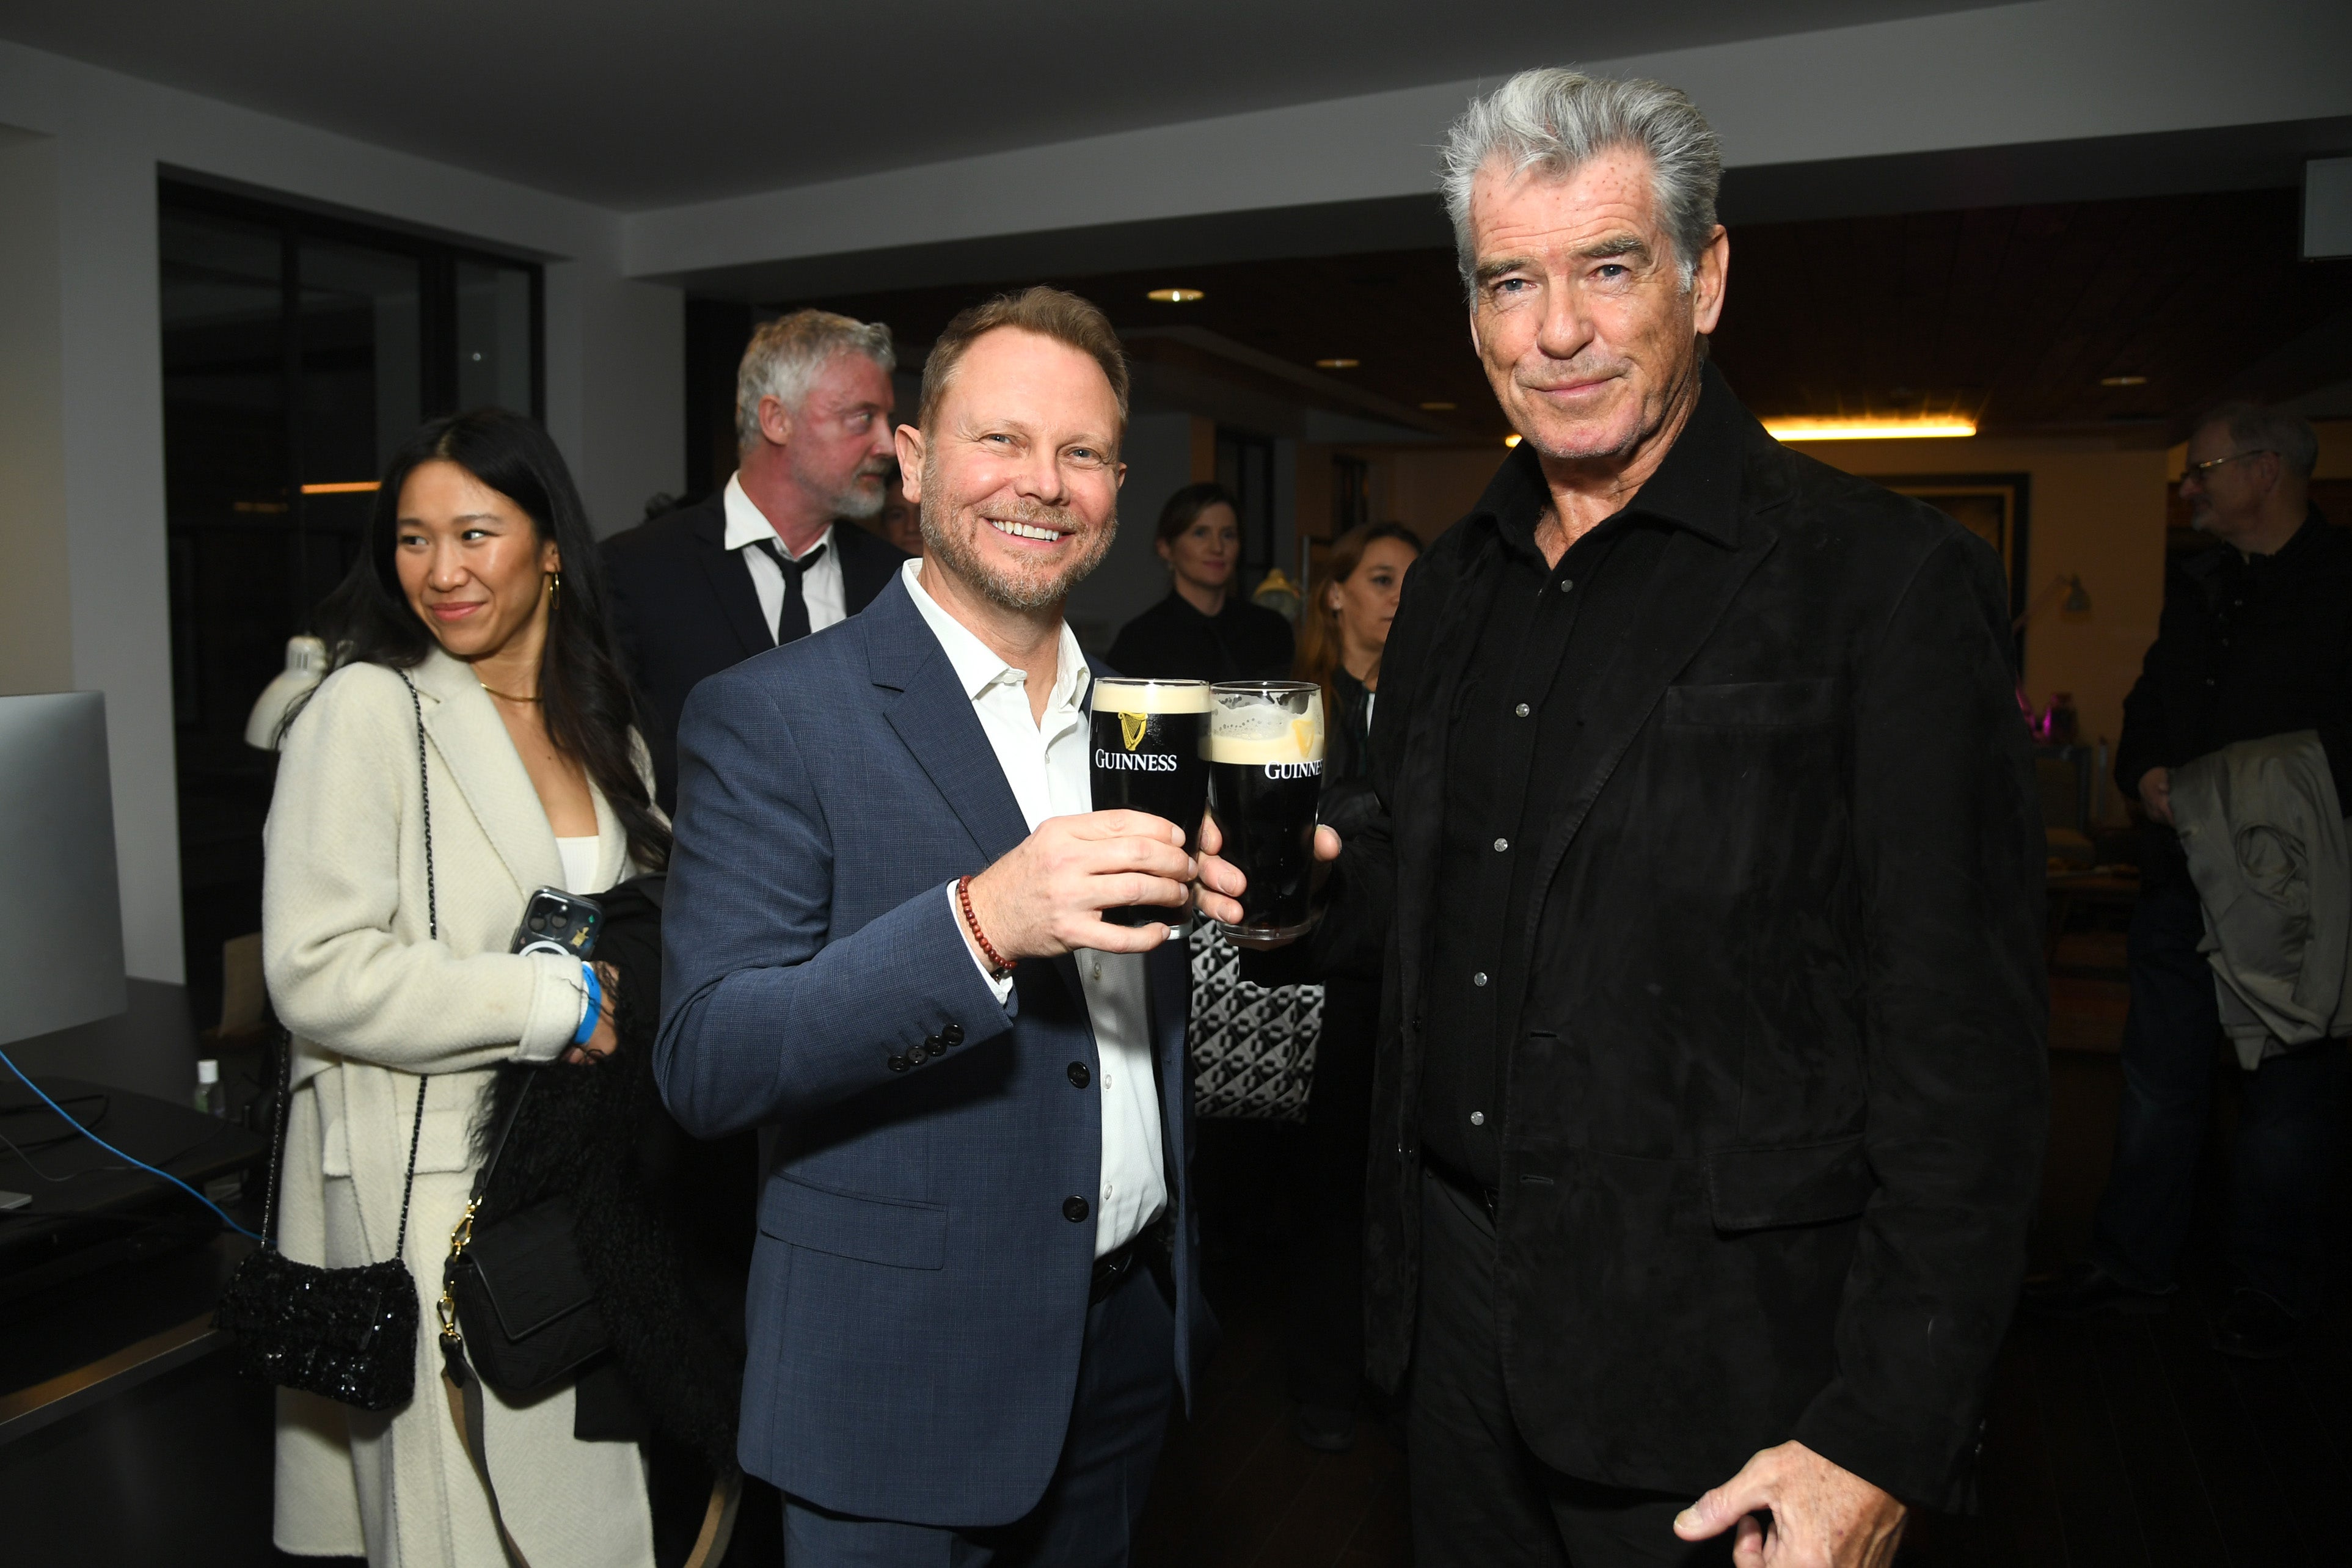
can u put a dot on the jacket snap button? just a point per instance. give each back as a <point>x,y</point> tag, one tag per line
<point>952,1034</point>
<point>1075,1209</point>
<point>1479,979</point>
<point>1079,1076</point>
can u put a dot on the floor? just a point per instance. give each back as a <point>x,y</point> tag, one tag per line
<point>2121,1441</point>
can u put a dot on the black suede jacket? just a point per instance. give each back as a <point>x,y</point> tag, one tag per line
<point>1775,1113</point>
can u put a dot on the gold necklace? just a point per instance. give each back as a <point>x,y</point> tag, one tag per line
<point>509,696</point>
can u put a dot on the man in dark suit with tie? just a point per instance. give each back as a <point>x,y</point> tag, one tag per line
<point>975,1287</point>
<point>764,561</point>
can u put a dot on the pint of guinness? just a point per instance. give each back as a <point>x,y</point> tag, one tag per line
<point>1266,778</point>
<point>1147,744</point>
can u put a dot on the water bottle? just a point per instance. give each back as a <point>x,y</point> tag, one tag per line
<point>212,1096</point>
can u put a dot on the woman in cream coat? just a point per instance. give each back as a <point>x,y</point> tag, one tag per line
<point>477,582</point>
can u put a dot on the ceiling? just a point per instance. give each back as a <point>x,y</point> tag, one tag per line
<point>2014,314</point>
<point>636,106</point>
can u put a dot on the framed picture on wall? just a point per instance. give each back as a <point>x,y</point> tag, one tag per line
<point>1996,507</point>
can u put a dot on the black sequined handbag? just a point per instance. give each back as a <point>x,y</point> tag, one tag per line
<point>348,1334</point>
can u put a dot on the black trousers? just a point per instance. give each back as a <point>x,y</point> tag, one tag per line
<point>1327,1270</point>
<point>1126,1380</point>
<point>1480,1500</point>
<point>2289,1115</point>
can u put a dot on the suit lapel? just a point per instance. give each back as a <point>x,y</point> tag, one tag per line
<point>480,755</point>
<point>933,715</point>
<point>1694,582</point>
<point>730,583</point>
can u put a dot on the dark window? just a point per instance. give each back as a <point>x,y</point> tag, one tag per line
<point>1246,466</point>
<point>1351,494</point>
<point>299,351</point>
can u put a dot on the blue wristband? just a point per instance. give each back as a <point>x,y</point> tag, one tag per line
<point>595,1005</point>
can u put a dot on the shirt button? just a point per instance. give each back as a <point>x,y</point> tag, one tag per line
<point>1502,844</point>
<point>1479,979</point>
<point>1522,710</point>
<point>1076,1209</point>
<point>1098,968</point>
<point>1477,1118</point>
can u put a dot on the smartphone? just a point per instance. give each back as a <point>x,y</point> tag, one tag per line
<point>555,921</point>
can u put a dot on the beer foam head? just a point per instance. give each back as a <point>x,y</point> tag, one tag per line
<point>1283,726</point>
<point>1114,694</point>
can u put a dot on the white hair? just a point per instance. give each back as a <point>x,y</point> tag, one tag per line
<point>2253,428</point>
<point>1555,120</point>
<point>787,355</point>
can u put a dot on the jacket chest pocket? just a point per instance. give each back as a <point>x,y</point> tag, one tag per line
<point>1755,704</point>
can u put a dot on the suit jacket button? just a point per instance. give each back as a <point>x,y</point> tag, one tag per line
<point>898,1064</point>
<point>1075,1209</point>
<point>952,1034</point>
<point>1079,1076</point>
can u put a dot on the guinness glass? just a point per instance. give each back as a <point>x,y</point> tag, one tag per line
<point>1147,742</point>
<point>1265,777</point>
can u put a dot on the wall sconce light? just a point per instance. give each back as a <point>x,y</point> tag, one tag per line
<point>2078,604</point>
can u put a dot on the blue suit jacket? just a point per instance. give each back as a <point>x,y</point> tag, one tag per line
<point>918,1296</point>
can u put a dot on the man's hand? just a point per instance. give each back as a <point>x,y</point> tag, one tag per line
<point>2156,794</point>
<point>1821,1516</point>
<point>1047,897</point>
<point>1218,894</point>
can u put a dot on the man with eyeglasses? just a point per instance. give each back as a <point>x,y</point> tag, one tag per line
<point>2256,641</point>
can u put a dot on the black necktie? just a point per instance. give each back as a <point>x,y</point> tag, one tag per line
<point>792,619</point>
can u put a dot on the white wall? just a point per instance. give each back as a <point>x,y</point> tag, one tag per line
<point>2054,71</point>
<point>614,383</point>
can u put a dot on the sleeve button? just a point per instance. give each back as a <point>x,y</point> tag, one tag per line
<point>952,1034</point>
<point>898,1064</point>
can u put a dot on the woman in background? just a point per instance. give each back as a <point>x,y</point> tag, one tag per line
<point>1204,629</point>
<point>1341,637</point>
<point>477,583</point>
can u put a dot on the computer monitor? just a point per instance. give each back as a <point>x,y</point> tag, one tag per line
<point>60,911</point>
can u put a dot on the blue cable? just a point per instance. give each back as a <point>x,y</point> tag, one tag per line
<point>119,1154</point>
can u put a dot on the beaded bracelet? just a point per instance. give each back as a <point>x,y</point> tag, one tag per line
<point>997,967</point>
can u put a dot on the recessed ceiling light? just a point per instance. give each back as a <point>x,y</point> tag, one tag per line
<point>1511,440</point>
<point>1437,407</point>
<point>1176,296</point>
<point>2123,380</point>
<point>1337,364</point>
<point>342,487</point>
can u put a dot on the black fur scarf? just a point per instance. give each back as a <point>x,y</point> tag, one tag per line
<point>664,1224</point>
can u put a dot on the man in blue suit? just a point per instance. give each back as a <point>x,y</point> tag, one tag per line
<point>974,1289</point>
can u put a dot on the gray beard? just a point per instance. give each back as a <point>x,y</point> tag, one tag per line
<point>858,504</point>
<point>1007,591</point>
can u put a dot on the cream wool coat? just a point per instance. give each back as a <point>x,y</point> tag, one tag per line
<point>376,1009</point>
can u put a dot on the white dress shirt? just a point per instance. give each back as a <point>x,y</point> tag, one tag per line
<point>1047,768</point>
<point>820,584</point>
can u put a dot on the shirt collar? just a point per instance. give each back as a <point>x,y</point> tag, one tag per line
<point>1697,486</point>
<point>747,525</point>
<point>977,666</point>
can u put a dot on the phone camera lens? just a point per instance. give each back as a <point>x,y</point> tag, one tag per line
<point>537,923</point>
<point>560,920</point>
